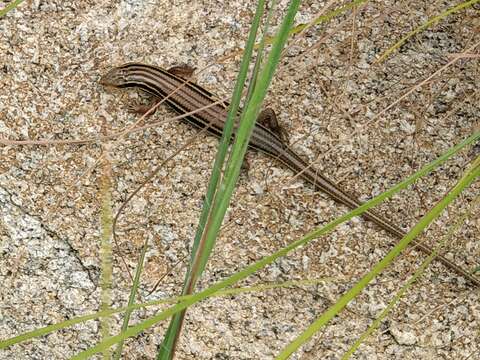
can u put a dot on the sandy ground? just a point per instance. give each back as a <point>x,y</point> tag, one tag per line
<point>329,97</point>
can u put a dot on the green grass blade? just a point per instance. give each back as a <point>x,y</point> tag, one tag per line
<point>432,21</point>
<point>245,128</point>
<point>9,7</point>
<point>166,348</point>
<point>260,52</point>
<point>336,308</point>
<point>328,16</point>
<point>229,124</point>
<point>131,299</point>
<point>376,323</point>
<point>81,319</point>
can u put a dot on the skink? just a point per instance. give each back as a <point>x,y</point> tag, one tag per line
<point>186,97</point>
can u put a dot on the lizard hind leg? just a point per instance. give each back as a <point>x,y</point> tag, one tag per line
<point>268,119</point>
